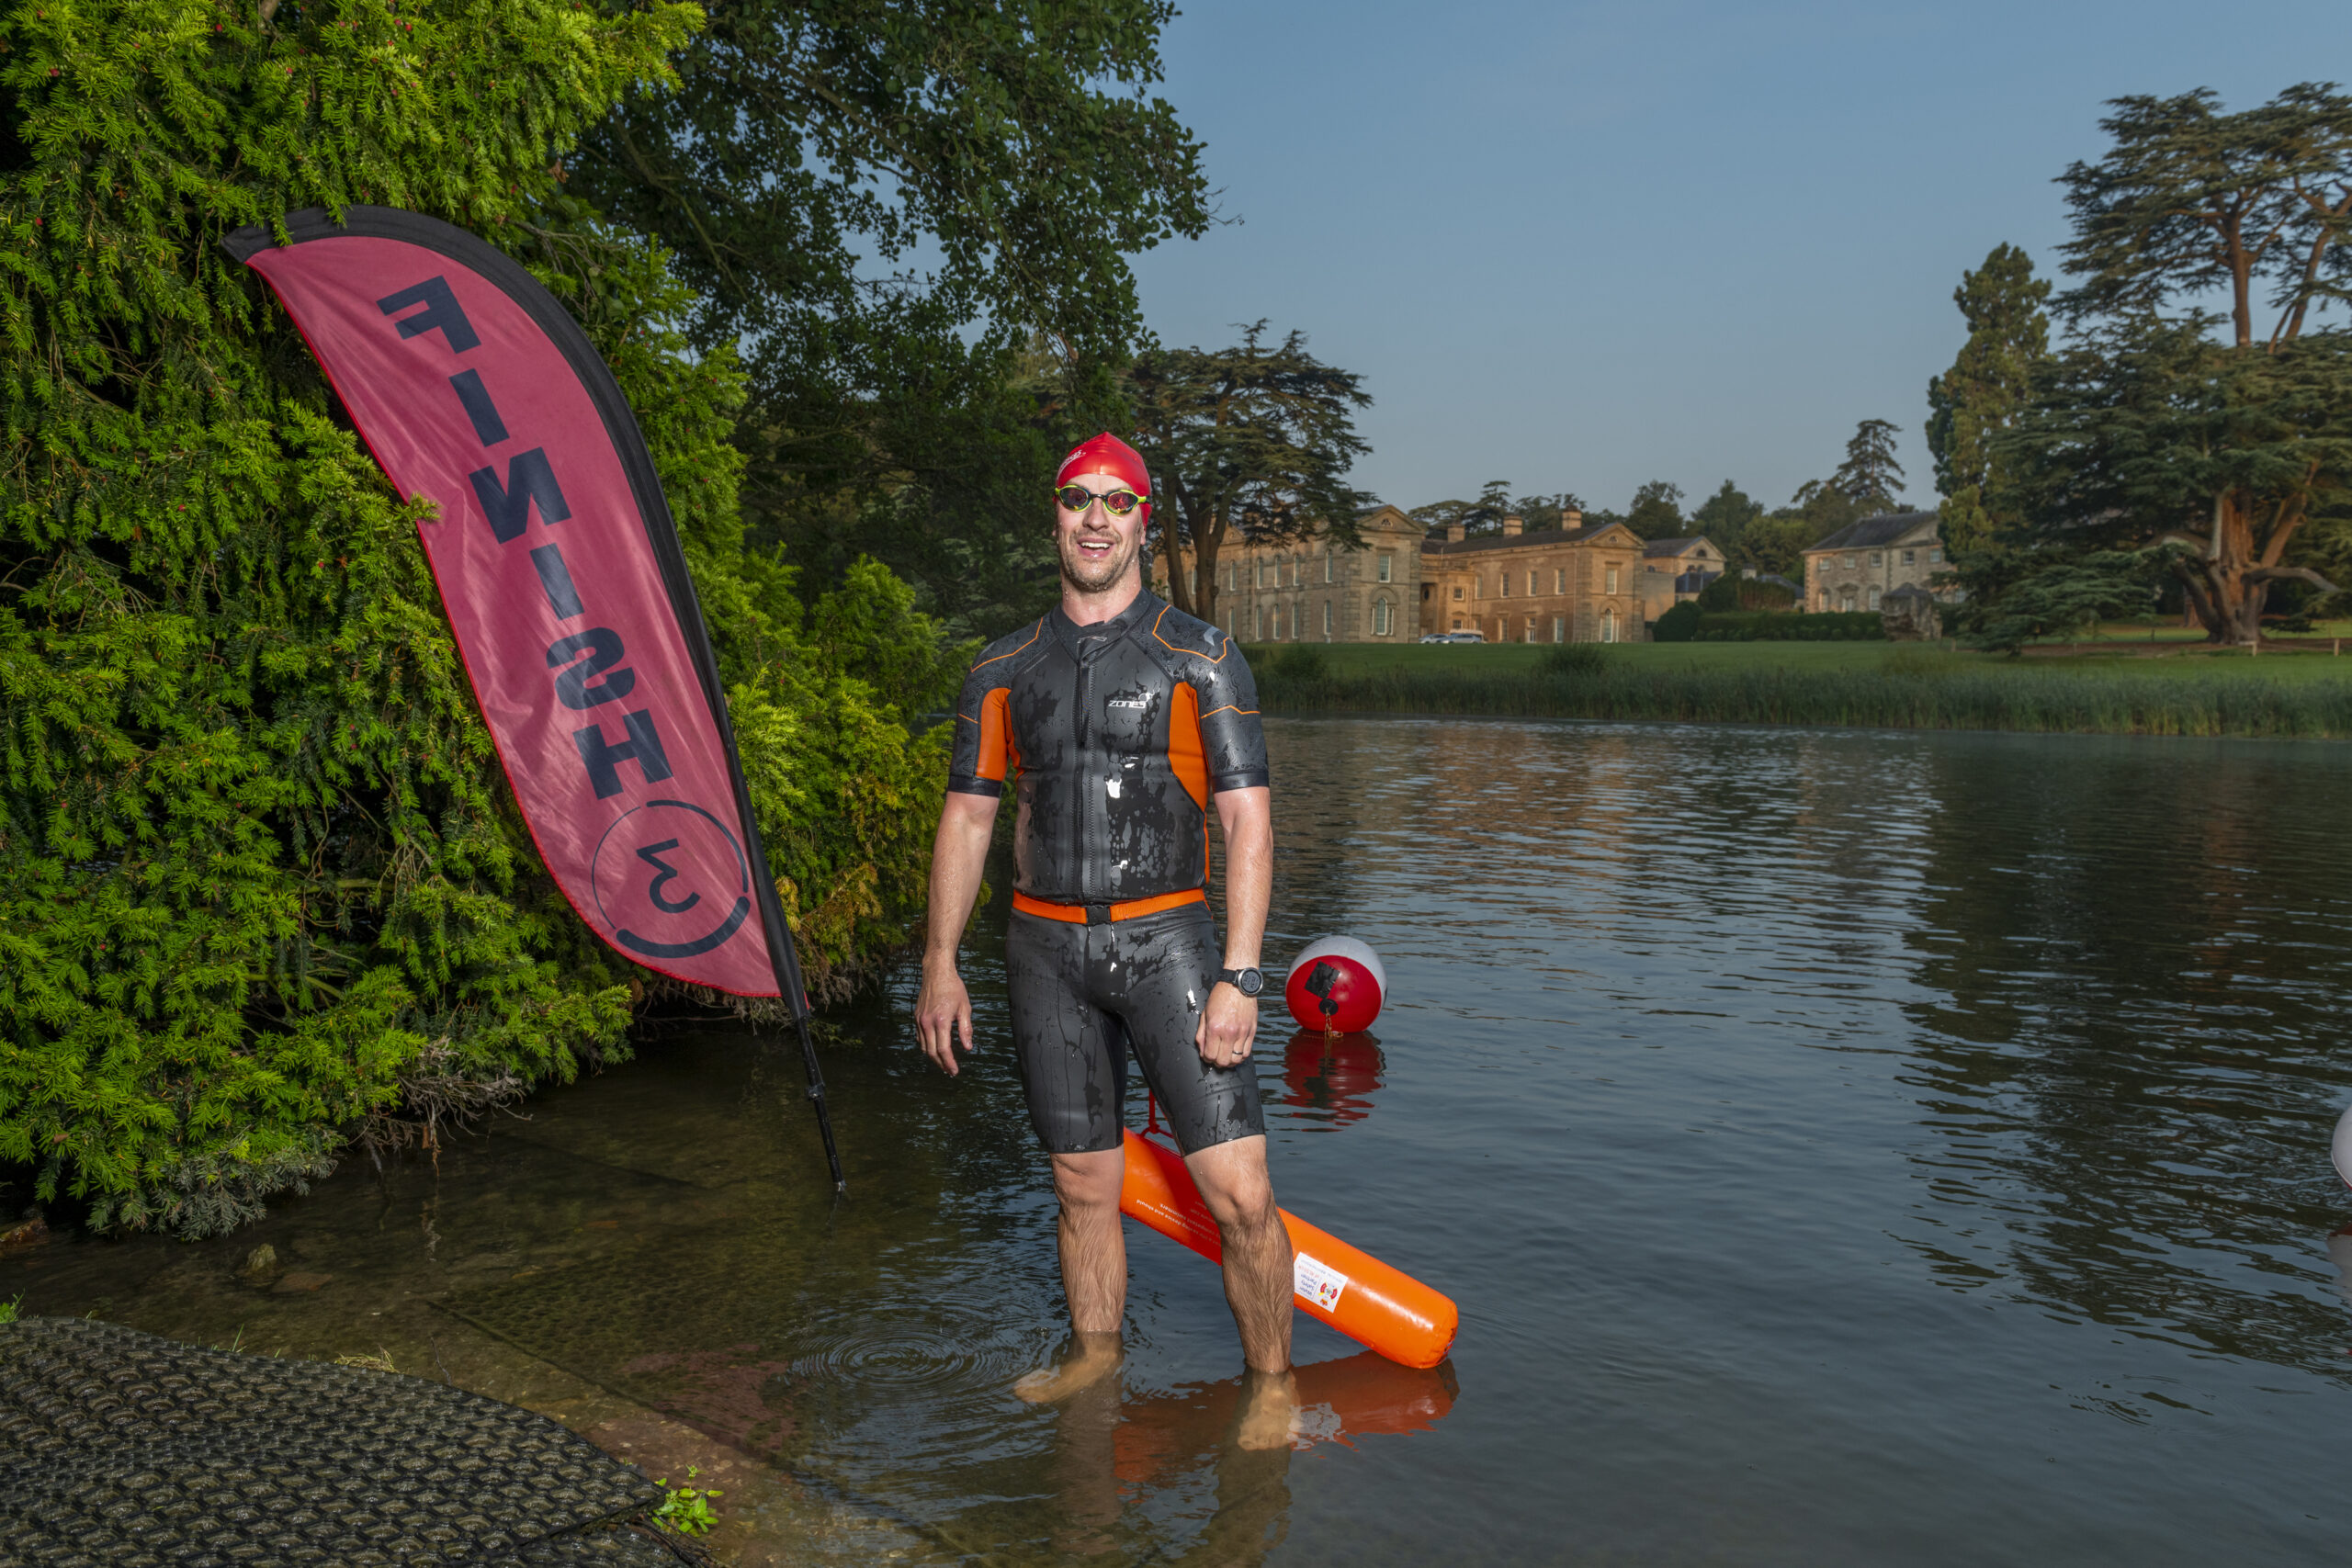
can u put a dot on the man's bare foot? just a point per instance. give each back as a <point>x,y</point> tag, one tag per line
<point>1092,1357</point>
<point>1269,1409</point>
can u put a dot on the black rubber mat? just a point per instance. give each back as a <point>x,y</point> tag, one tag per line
<point>120,1449</point>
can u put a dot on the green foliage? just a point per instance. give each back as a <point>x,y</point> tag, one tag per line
<point>1870,477</point>
<point>1982,394</point>
<point>1656,512</point>
<point>8,1309</point>
<point>1302,662</point>
<point>1680,623</point>
<point>257,860</point>
<point>1254,440</point>
<point>2150,432</point>
<point>1726,518</point>
<point>1572,659</point>
<point>2147,429</point>
<point>2188,202</point>
<point>917,222</point>
<point>1722,595</point>
<point>686,1509</point>
<point>2066,597</point>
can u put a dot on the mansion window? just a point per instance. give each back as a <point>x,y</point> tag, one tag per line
<point>1229,577</point>
<point>1878,557</point>
<point>1502,581</point>
<point>1849,563</point>
<point>1327,611</point>
<point>1327,569</point>
<point>1380,617</point>
<point>1559,585</point>
<point>1531,630</point>
<point>1613,580</point>
<point>1530,593</point>
<point>1873,596</point>
<point>1559,628</point>
<point>1259,634</point>
<point>1457,593</point>
<point>1907,557</point>
<point>1388,569</point>
<point>1608,626</point>
<point>1934,556</point>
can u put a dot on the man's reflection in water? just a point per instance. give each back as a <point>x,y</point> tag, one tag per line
<point>1112,1451</point>
<point>1333,1076</point>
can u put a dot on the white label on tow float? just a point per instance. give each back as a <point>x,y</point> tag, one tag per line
<point>1317,1281</point>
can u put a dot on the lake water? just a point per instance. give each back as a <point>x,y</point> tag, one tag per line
<point>1845,1148</point>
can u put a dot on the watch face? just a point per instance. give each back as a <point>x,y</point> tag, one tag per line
<point>1251,982</point>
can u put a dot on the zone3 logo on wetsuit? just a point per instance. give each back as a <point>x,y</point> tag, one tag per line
<point>1115,735</point>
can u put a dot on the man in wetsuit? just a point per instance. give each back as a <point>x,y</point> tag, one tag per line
<point>1117,720</point>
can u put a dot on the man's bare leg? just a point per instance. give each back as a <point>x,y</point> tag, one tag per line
<point>1094,1272</point>
<point>1258,1280</point>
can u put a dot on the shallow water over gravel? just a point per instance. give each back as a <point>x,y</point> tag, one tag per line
<point>1845,1147</point>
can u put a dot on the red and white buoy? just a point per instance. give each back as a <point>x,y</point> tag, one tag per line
<point>1336,985</point>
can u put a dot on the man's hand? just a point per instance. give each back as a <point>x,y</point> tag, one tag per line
<point>944,1008</point>
<point>1228,1025</point>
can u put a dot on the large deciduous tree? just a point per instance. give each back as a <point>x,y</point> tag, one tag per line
<point>885,207</point>
<point>1253,441</point>
<point>2156,423</point>
<point>1982,395</point>
<point>1656,512</point>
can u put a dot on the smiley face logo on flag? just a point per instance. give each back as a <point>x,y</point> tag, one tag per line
<point>671,881</point>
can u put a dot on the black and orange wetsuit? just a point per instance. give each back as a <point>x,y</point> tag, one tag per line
<point>1113,737</point>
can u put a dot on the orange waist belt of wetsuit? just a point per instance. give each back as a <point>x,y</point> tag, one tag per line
<point>1103,914</point>
<point>1353,1292</point>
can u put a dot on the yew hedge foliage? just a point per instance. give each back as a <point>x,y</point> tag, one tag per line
<point>259,865</point>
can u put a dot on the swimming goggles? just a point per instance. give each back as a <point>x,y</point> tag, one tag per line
<point>1117,502</point>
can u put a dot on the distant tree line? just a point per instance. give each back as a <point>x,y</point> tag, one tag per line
<point>1752,537</point>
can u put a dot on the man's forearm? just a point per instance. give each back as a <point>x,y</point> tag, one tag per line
<point>1248,874</point>
<point>958,855</point>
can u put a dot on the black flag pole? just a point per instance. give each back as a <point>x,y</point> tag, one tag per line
<point>784,957</point>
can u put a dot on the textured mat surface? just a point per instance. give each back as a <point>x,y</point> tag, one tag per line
<point>120,1449</point>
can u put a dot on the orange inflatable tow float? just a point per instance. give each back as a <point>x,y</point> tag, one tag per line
<point>1353,1292</point>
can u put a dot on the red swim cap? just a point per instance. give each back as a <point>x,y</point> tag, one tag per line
<point>1109,456</point>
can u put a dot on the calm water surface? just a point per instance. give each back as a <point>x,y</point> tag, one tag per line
<point>1844,1148</point>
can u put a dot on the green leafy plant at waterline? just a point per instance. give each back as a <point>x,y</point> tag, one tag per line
<point>259,869</point>
<point>686,1509</point>
<point>8,1309</point>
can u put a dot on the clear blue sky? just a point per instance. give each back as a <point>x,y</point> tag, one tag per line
<point>1583,246</point>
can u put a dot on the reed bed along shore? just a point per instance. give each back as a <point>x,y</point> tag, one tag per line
<point>1907,689</point>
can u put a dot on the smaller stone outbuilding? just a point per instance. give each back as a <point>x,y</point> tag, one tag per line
<point>1909,616</point>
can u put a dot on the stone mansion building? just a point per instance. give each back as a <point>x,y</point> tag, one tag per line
<point>1310,591</point>
<point>1565,584</point>
<point>1857,567</point>
<point>1568,585</point>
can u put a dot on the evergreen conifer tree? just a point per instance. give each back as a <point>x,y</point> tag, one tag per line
<point>1982,393</point>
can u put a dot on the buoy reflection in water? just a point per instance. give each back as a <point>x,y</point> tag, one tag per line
<point>1331,1076</point>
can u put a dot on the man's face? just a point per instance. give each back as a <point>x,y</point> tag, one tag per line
<point>1096,547</point>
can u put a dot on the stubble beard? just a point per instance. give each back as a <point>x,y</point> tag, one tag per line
<point>1094,576</point>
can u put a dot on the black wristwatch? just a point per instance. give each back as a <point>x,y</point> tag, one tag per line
<point>1248,982</point>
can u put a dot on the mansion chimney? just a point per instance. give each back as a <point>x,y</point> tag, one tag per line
<point>1453,533</point>
<point>1512,526</point>
<point>1571,518</point>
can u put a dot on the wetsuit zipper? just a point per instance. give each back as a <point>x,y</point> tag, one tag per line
<point>1079,856</point>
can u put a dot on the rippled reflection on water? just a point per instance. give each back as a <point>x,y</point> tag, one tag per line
<point>1845,1148</point>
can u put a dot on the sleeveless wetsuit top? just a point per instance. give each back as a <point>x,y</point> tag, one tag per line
<point>1114,737</point>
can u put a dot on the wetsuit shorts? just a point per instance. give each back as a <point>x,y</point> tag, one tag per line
<point>1083,995</point>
